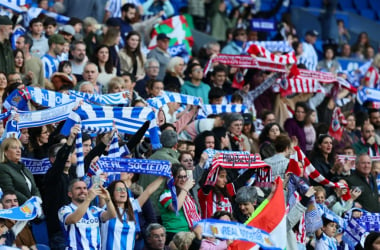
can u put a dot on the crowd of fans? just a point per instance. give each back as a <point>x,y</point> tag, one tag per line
<point>108,53</point>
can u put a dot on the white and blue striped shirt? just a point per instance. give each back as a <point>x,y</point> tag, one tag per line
<point>50,65</point>
<point>85,234</point>
<point>118,234</point>
<point>309,56</point>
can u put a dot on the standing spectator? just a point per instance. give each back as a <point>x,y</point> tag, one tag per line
<point>346,51</point>
<point>220,22</point>
<point>267,138</point>
<point>32,63</point>
<point>309,55</point>
<point>195,86</point>
<point>279,161</point>
<point>50,60</point>
<point>91,38</point>
<point>235,47</point>
<point>90,74</point>
<point>131,57</point>
<point>103,60</point>
<point>153,7</point>
<point>50,26</point>
<point>358,49</point>
<point>57,179</point>
<point>6,55</point>
<point>362,177</point>
<point>128,14</point>
<point>151,68</point>
<point>161,54</point>
<point>20,66</point>
<point>344,35</point>
<point>329,64</point>
<point>81,221</point>
<point>374,119</point>
<point>112,39</point>
<point>67,31</point>
<point>295,126</point>
<point>78,58</point>
<point>372,76</point>
<point>40,42</point>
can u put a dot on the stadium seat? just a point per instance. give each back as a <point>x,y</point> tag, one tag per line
<point>265,6</point>
<point>368,13</point>
<point>361,4</point>
<point>299,3</point>
<point>374,4</point>
<point>351,10</point>
<point>315,3</point>
<point>346,4</point>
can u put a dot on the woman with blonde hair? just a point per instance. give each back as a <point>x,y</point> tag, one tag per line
<point>14,175</point>
<point>115,85</point>
<point>173,79</point>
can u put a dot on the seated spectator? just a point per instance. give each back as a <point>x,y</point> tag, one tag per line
<point>151,69</point>
<point>14,175</point>
<point>329,63</point>
<point>154,88</point>
<point>360,45</point>
<point>25,237</point>
<point>174,74</point>
<point>367,143</point>
<point>195,86</point>
<point>156,237</point>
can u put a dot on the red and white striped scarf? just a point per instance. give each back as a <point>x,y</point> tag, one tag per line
<point>311,172</point>
<point>190,211</point>
<point>260,51</point>
<point>336,128</point>
<point>234,161</point>
<point>299,85</point>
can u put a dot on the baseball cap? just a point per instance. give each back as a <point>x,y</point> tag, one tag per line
<point>162,36</point>
<point>312,33</point>
<point>4,20</point>
<point>67,29</point>
<point>57,39</point>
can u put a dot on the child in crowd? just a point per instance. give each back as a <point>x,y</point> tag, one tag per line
<point>326,236</point>
<point>320,194</point>
<point>7,237</point>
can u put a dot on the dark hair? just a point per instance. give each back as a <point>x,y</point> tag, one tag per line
<point>361,117</point>
<point>215,93</point>
<point>35,20</point>
<point>22,69</point>
<point>7,192</point>
<point>108,66</point>
<point>220,214</point>
<point>219,132</point>
<point>236,97</point>
<point>370,239</point>
<point>199,141</point>
<point>316,152</point>
<point>237,32</point>
<point>264,136</point>
<point>130,75</point>
<point>265,113</point>
<point>219,68</point>
<point>28,40</point>
<point>53,150</point>
<point>137,52</point>
<point>128,209</point>
<point>327,221</point>
<point>282,142</point>
<point>74,20</point>
<point>127,6</point>
<point>302,105</point>
<point>167,125</point>
<point>49,21</point>
<point>63,64</point>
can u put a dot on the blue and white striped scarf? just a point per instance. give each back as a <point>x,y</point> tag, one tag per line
<point>158,102</point>
<point>48,98</point>
<point>40,118</point>
<point>212,109</point>
<point>80,155</point>
<point>127,119</point>
<point>107,99</point>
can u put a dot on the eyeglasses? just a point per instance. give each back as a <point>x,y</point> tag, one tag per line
<point>197,70</point>
<point>119,189</point>
<point>182,177</point>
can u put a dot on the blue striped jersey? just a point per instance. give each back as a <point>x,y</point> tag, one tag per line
<point>118,234</point>
<point>326,243</point>
<point>50,65</point>
<point>85,234</point>
<point>309,56</point>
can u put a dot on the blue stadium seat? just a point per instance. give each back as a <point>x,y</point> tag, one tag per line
<point>352,10</point>
<point>265,6</point>
<point>346,4</point>
<point>368,13</point>
<point>374,4</point>
<point>299,3</point>
<point>315,3</point>
<point>361,4</point>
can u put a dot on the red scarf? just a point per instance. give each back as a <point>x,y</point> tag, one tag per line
<point>190,211</point>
